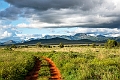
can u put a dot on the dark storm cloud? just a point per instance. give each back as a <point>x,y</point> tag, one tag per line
<point>65,13</point>
<point>11,13</point>
<point>55,4</point>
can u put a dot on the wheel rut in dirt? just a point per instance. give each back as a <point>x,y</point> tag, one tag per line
<point>34,73</point>
<point>54,71</point>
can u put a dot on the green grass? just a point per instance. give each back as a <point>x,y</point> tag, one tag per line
<point>77,63</point>
<point>14,65</point>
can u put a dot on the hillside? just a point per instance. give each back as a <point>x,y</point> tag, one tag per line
<point>79,38</point>
<point>57,41</point>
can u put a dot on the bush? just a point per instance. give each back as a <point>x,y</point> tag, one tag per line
<point>111,43</point>
<point>23,46</point>
<point>8,48</point>
<point>38,44</point>
<point>93,45</point>
<point>13,46</point>
<point>47,46</point>
<point>61,45</point>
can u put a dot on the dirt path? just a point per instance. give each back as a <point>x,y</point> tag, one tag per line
<point>54,71</point>
<point>33,74</point>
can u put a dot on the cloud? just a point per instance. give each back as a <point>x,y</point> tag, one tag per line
<point>29,36</point>
<point>65,13</point>
<point>10,13</point>
<point>8,33</point>
<point>55,4</point>
<point>114,32</point>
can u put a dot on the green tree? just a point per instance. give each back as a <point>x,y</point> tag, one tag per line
<point>111,43</point>
<point>38,44</point>
<point>61,45</point>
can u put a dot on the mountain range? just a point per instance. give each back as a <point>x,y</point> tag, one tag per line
<point>55,39</point>
<point>80,36</point>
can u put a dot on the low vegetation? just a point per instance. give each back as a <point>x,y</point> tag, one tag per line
<point>38,44</point>
<point>61,45</point>
<point>111,44</point>
<point>15,65</point>
<point>74,62</point>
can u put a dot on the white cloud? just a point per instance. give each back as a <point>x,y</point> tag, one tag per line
<point>5,34</point>
<point>29,36</point>
<point>8,33</point>
<point>114,35</point>
<point>97,31</point>
<point>35,25</point>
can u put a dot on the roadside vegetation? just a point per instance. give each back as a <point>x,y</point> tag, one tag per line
<point>15,65</point>
<point>75,62</point>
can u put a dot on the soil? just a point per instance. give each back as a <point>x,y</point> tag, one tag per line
<point>33,74</point>
<point>54,71</point>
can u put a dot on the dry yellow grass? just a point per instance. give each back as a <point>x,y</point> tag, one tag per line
<point>57,49</point>
<point>101,51</point>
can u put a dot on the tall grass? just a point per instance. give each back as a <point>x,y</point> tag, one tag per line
<point>14,65</point>
<point>91,64</point>
<point>75,63</point>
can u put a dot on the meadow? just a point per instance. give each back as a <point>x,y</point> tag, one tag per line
<point>74,63</point>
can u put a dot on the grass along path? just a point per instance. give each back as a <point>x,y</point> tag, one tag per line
<point>33,74</point>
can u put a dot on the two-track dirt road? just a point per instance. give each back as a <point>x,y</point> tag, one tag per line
<point>54,71</point>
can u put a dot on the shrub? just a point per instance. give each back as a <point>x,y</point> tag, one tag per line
<point>61,45</point>
<point>8,48</point>
<point>111,43</point>
<point>93,45</point>
<point>47,46</point>
<point>13,46</point>
<point>38,44</point>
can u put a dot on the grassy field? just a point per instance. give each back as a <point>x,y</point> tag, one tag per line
<point>75,63</point>
<point>14,65</point>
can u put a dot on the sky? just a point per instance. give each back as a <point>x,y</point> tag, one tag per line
<point>24,19</point>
